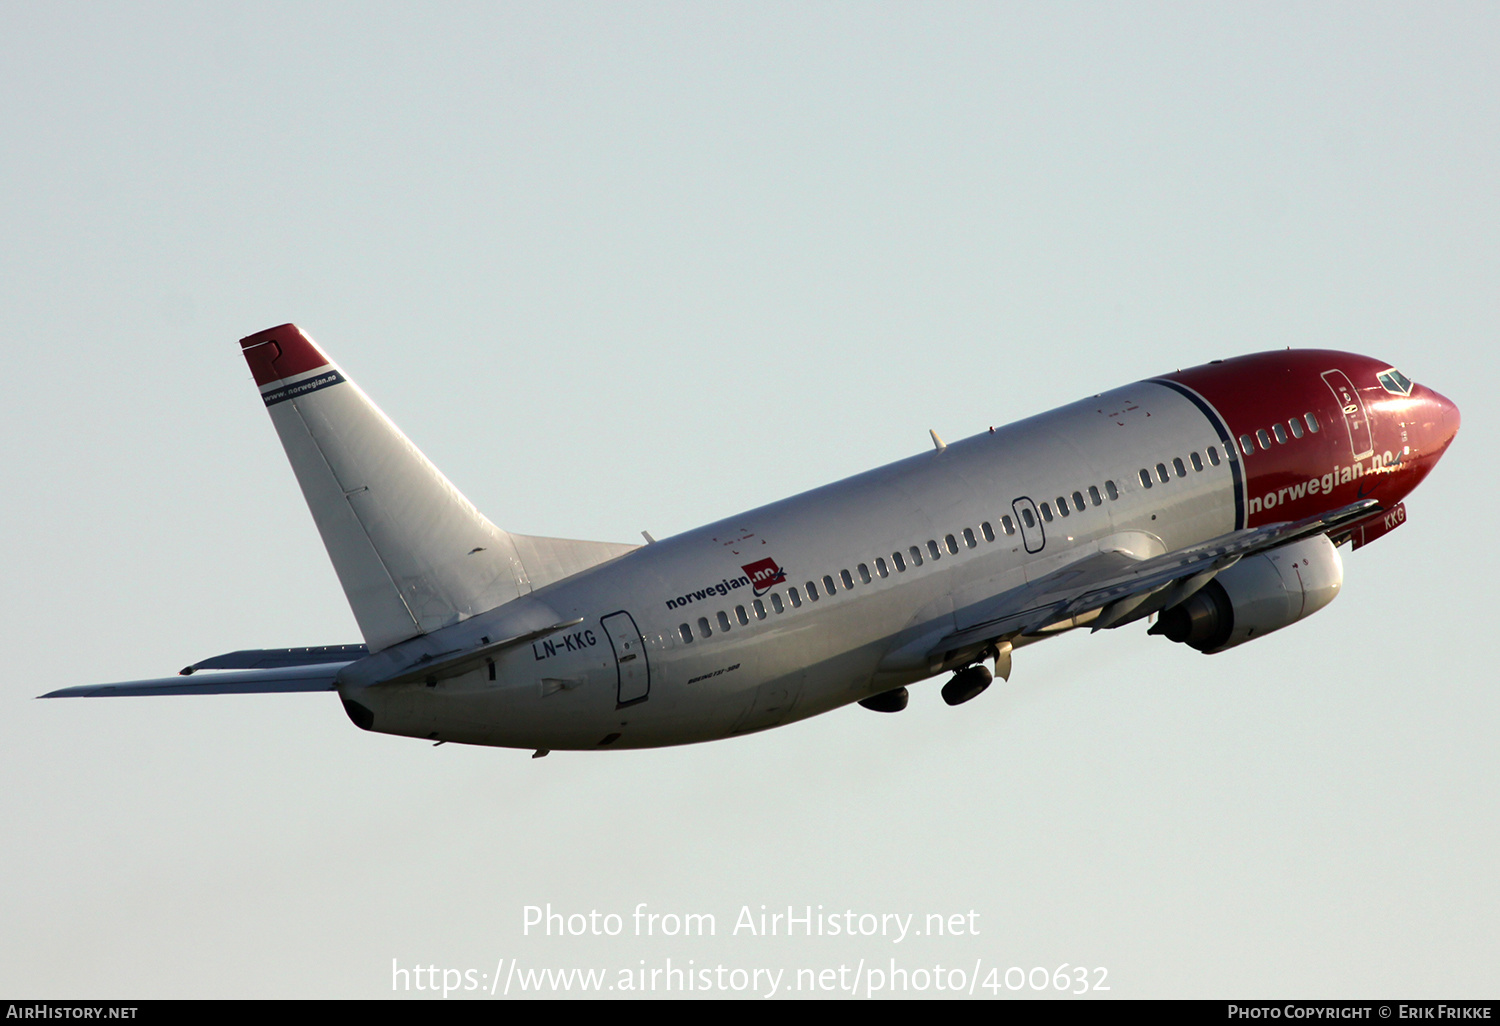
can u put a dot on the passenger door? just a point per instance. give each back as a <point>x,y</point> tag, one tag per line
<point>631,665</point>
<point>1356,418</point>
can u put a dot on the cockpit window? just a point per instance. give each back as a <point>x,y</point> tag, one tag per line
<point>1394,382</point>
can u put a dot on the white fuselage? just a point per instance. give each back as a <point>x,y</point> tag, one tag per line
<point>784,660</point>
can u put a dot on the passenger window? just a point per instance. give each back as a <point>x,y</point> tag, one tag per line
<point>723,620</point>
<point>1312,422</point>
<point>900,562</point>
<point>969,538</point>
<point>1197,460</point>
<point>952,544</point>
<point>1078,501</point>
<point>795,596</point>
<point>1296,426</point>
<point>1145,477</point>
<point>880,567</point>
<point>1177,466</point>
<point>828,587</point>
<point>1007,524</point>
<point>1279,432</point>
<point>1026,516</point>
<point>760,609</point>
<point>812,591</point>
<point>687,632</point>
<point>1094,495</point>
<point>1213,455</point>
<point>864,573</point>
<point>1161,473</point>
<point>1263,438</point>
<point>987,531</point>
<point>1046,513</point>
<point>1247,444</point>
<point>932,550</point>
<point>776,601</point>
<point>848,580</point>
<point>916,556</point>
<point>1062,506</point>
<point>1111,490</point>
<point>741,615</point>
<point>703,627</point>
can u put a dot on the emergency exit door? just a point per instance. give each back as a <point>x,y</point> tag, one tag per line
<point>1033,535</point>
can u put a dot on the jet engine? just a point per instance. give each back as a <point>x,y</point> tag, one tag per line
<point>1258,595</point>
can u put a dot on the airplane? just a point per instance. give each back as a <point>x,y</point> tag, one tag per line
<point>1209,501</point>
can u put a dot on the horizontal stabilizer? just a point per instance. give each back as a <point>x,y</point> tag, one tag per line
<point>269,658</point>
<point>231,682</point>
<point>456,664</point>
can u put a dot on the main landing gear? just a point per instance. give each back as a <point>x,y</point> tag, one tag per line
<point>971,681</point>
<point>887,701</point>
<point>967,683</point>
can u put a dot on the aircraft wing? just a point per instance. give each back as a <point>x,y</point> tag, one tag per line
<point>317,677</point>
<point>1122,589</point>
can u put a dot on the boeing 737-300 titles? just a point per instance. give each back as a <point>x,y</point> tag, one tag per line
<point>1213,499</point>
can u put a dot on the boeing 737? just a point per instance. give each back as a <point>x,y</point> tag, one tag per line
<point>1211,501</point>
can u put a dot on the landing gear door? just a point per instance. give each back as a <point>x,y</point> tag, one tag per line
<point>630,658</point>
<point>1356,419</point>
<point>1030,522</point>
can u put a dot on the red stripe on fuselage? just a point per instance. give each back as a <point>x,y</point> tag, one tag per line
<point>1321,470</point>
<point>281,352</point>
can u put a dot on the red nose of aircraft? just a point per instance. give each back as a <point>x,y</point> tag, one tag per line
<point>1440,423</point>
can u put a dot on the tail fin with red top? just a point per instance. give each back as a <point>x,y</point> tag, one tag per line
<point>410,551</point>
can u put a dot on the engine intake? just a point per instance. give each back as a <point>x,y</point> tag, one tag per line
<point>1256,596</point>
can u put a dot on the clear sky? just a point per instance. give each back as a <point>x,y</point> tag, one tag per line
<point>623,267</point>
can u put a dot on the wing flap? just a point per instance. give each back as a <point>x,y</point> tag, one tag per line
<point>1122,594</point>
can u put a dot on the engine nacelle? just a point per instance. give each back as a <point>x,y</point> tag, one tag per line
<point>1258,595</point>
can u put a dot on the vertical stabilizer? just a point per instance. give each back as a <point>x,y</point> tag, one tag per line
<point>411,552</point>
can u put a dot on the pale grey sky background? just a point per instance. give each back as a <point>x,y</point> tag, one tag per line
<point>641,266</point>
